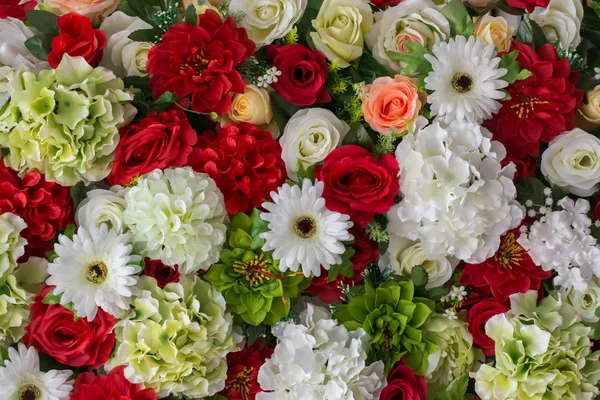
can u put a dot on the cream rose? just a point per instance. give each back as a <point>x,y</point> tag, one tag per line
<point>267,20</point>
<point>561,22</point>
<point>122,55</point>
<point>572,161</point>
<point>494,30</point>
<point>410,21</point>
<point>309,136</point>
<point>586,302</point>
<point>340,28</point>
<point>103,207</point>
<point>591,110</point>
<point>96,10</point>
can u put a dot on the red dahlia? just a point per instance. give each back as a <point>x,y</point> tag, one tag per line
<point>510,270</point>
<point>242,371</point>
<point>541,107</point>
<point>13,8</point>
<point>245,163</point>
<point>198,62</point>
<point>113,386</point>
<point>45,206</point>
<point>528,5</point>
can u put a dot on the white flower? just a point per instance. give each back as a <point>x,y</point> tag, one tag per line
<point>410,21</point>
<point>123,56</point>
<point>586,301</point>
<point>94,270</point>
<point>103,207</point>
<point>309,136</point>
<point>570,278</point>
<point>577,212</point>
<point>572,161</point>
<point>465,80</point>
<point>561,22</point>
<point>320,360</point>
<point>267,20</point>
<point>21,378</point>
<point>302,231</point>
<point>457,199</point>
<point>12,245</point>
<point>177,216</point>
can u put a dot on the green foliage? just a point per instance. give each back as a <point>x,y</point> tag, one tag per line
<point>43,21</point>
<point>414,58</point>
<point>344,268</point>
<point>514,71</point>
<point>283,110</point>
<point>529,32</point>
<point>79,192</point>
<point>40,45</point>
<point>369,68</point>
<point>358,135</point>
<point>456,390</point>
<point>305,173</point>
<point>530,189</point>
<point>461,23</point>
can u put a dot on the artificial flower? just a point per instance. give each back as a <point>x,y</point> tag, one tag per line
<point>529,5</point>
<point>495,31</point>
<point>164,274</point>
<point>560,21</point>
<point>252,106</point>
<point>103,206</point>
<point>96,10</point>
<point>15,314</point>
<point>242,371</point>
<point>478,316</point>
<point>77,38</point>
<point>108,387</point>
<point>16,9</point>
<point>404,384</point>
<point>591,109</point>
<point>12,245</point>
<point>525,165</point>
<point>586,302</point>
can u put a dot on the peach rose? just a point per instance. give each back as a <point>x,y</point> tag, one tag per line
<point>391,103</point>
<point>494,30</point>
<point>96,10</point>
<point>591,109</point>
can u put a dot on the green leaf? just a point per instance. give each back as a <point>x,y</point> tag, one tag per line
<point>43,21</point>
<point>190,15</point>
<point>139,82</point>
<point>358,135</point>
<point>419,277</point>
<point>369,68</point>
<point>344,268</point>
<point>305,173</point>
<point>70,231</point>
<point>530,189</point>
<point>414,58</point>
<point>145,11</point>
<point>40,45</point>
<point>51,298</point>
<point>597,332</point>
<point>79,191</point>
<point>530,33</point>
<point>254,332</point>
<point>461,23</point>
<point>258,225</point>
<point>513,67</point>
<point>283,110</point>
<point>146,35</point>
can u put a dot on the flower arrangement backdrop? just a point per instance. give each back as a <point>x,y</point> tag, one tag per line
<point>299,199</point>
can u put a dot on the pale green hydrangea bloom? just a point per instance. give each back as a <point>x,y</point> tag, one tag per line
<point>14,311</point>
<point>12,245</point>
<point>64,122</point>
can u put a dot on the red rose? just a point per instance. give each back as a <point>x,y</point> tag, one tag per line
<point>12,8</point>
<point>198,62</point>
<point>510,270</point>
<point>45,206</point>
<point>158,141</point>
<point>242,371</point>
<point>359,184</point>
<point>303,74</point>
<point>478,316</point>
<point>77,38</point>
<point>78,343</point>
<point>540,107</point>
<point>525,165</point>
<point>164,274</point>
<point>366,252</point>
<point>245,163</point>
<point>403,384</point>
<point>528,5</point>
<point>113,386</point>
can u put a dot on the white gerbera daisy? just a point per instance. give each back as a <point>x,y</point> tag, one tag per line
<point>94,270</point>
<point>303,232</point>
<point>21,378</point>
<point>465,80</point>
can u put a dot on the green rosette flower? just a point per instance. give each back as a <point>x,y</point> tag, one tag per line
<point>253,286</point>
<point>64,122</point>
<point>175,339</point>
<point>394,319</point>
<point>14,311</point>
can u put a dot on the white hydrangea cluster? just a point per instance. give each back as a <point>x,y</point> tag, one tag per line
<point>320,360</point>
<point>177,216</point>
<point>457,198</point>
<point>561,241</point>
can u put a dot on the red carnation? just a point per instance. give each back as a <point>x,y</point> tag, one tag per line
<point>541,106</point>
<point>245,163</point>
<point>242,371</point>
<point>403,384</point>
<point>386,3</point>
<point>303,74</point>
<point>198,62</point>
<point>164,274</point>
<point>528,5</point>
<point>158,141</point>
<point>77,38</point>
<point>13,8</point>
<point>478,316</point>
<point>45,206</point>
<point>359,184</point>
<point>366,252</point>
<point>510,270</point>
<point>113,386</point>
<point>78,343</point>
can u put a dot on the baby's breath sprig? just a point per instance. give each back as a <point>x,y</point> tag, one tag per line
<point>167,18</point>
<point>258,72</point>
<point>376,232</point>
<point>386,144</point>
<point>575,60</point>
<point>454,300</point>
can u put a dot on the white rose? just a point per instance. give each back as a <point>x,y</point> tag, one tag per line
<point>494,30</point>
<point>572,161</point>
<point>586,302</point>
<point>122,55</point>
<point>561,22</point>
<point>267,20</point>
<point>103,206</point>
<point>410,21</point>
<point>309,136</point>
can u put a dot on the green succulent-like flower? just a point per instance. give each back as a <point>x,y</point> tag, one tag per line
<point>175,339</point>
<point>14,311</point>
<point>394,320</point>
<point>252,284</point>
<point>64,122</point>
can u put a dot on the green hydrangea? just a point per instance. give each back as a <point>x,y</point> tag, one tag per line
<point>12,245</point>
<point>542,352</point>
<point>252,284</point>
<point>64,122</point>
<point>394,319</point>
<point>176,339</point>
<point>14,311</point>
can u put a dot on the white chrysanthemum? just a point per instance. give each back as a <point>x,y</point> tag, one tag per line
<point>177,216</point>
<point>12,245</point>
<point>302,231</point>
<point>465,80</point>
<point>103,207</point>
<point>21,378</point>
<point>93,270</point>
<point>457,199</point>
<point>318,359</point>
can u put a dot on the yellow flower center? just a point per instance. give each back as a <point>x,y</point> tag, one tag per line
<point>510,253</point>
<point>241,383</point>
<point>305,227</point>
<point>526,106</point>
<point>96,272</point>
<point>256,271</point>
<point>30,392</point>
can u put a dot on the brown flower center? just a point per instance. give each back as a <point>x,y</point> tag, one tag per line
<point>30,392</point>
<point>305,227</point>
<point>241,383</point>
<point>462,82</point>
<point>96,272</point>
<point>510,253</point>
